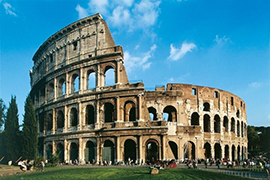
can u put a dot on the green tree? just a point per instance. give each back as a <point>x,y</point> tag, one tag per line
<point>12,132</point>
<point>253,140</point>
<point>2,113</point>
<point>30,131</point>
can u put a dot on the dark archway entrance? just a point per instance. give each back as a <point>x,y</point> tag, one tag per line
<point>207,150</point>
<point>174,148</point>
<point>108,151</point>
<point>233,152</point>
<point>60,152</point>
<point>227,152</point>
<point>73,151</point>
<point>189,150</point>
<point>90,152</point>
<point>217,151</point>
<point>152,150</point>
<point>49,152</point>
<point>130,150</point>
<point>109,112</point>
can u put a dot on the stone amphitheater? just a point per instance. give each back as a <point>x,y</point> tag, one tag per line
<point>83,118</point>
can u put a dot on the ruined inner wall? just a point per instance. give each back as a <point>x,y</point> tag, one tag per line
<point>83,117</point>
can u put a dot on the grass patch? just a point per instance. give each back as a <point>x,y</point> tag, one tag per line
<point>67,173</point>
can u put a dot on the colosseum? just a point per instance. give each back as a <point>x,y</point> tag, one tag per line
<point>83,118</point>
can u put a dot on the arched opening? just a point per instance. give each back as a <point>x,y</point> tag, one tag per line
<point>130,111</point>
<point>73,117</point>
<point>226,123</point>
<point>61,87</point>
<point>152,150</point>
<point>50,91</point>
<point>217,151</point>
<point>41,122</point>
<point>75,83</point>
<point>243,153</point>
<point>108,151</point>
<point>49,152</point>
<point>238,129</point>
<point>109,76</point>
<point>60,119</point>
<point>50,121</point>
<point>90,152</point>
<point>207,150</point>
<point>60,152</point>
<point>238,113</point>
<point>109,112</point>
<point>206,123</point>
<point>233,152</point>
<point>174,148</point>
<point>90,115</point>
<point>195,119</point>
<point>238,153</point>
<point>91,79</point>
<point>189,150</point>
<point>206,106</point>
<point>172,115</point>
<point>217,124</point>
<point>227,151</point>
<point>242,129</point>
<point>73,152</point>
<point>232,125</point>
<point>130,150</point>
<point>153,113</point>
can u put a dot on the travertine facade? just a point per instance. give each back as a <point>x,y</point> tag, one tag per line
<point>81,117</point>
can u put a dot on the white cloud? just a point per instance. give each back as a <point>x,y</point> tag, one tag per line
<point>222,40</point>
<point>124,13</point>
<point>82,12</point>
<point>142,62</point>
<point>176,54</point>
<point>9,9</point>
<point>255,84</point>
<point>137,46</point>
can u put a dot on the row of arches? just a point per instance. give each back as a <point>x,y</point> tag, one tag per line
<point>109,114</point>
<point>195,120</point>
<point>68,85</point>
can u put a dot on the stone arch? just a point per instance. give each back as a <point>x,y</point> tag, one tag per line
<point>237,113</point>
<point>206,123</point>
<point>226,123</point>
<point>171,112</point>
<point>206,106</point>
<point>207,150</point>
<point>50,91</point>
<point>238,128</point>
<point>232,125</point>
<point>108,112</point>
<point>75,83</point>
<point>90,114</point>
<point>60,152</point>
<point>91,79</point>
<point>130,150</point>
<point>151,150</point>
<point>90,152</point>
<point>50,122</point>
<point>108,151</point>
<point>227,152</point>
<point>73,117</point>
<point>129,111</point>
<point>217,124</point>
<point>74,149</point>
<point>49,151</point>
<point>174,148</point>
<point>233,152</point>
<point>189,150</point>
<point>153,113</point>
<point>60,119</point>
<point>217,151</point>
<point>195,119</point>
<point>109,75</point>
<point>238,153</point>
<point>61,87</point>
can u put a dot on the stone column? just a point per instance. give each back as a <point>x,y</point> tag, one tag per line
<point>81,81</point>
<point>118,156</point>
<point>80,123</point>
<point>66,153</point>
<point>66,125</point>
<point>55,89</point>
<point>98,150</point>
<point>180,147</point>
<point>67,85</point>
<point>81,157</point>
<point>97,123</point>
<point>98,84</point>
<point>140,107</point>
<point>140,158</point>
<point>53,147</point>
<point>54,121</point>
<point>212,150</point>
<point>163,140</point>
<point>117,73</point>
<point>117,108</point>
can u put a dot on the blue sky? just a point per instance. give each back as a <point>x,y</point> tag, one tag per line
<point>222,44</point>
